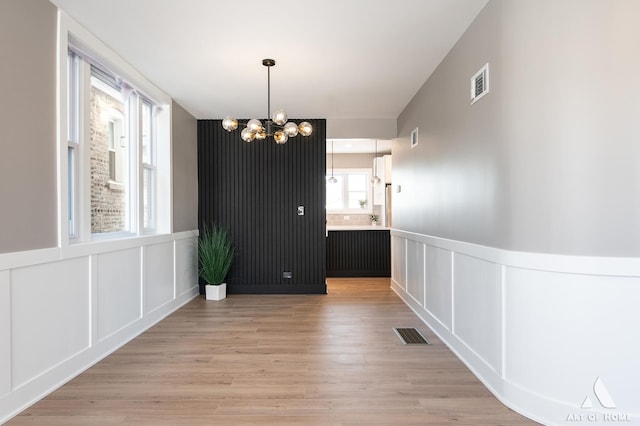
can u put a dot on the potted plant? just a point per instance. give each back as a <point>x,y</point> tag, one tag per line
<point>374,219</point>
<point>215,255</point>
<point>363,203</point>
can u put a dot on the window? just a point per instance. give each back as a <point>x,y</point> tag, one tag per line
<point>116,165</point>
<point>112,150</point>
<point>118,155</point>
<point>109,157</point>
<point>351,193</point>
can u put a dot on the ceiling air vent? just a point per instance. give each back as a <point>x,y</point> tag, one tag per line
<point>480,83</point>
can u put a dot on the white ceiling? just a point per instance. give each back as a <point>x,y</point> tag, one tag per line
<point>335,59</point>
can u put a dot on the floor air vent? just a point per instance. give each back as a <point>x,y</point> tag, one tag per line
<point>411,336</point>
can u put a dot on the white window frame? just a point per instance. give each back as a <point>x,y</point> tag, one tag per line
<point>150,167</point>
<point>72,120</point>
<point>74,179</point>
<point>344,172</point>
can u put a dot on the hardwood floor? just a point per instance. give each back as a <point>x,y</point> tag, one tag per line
<point>279,360</point>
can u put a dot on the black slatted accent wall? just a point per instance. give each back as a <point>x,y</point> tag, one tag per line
<point>254,190</point>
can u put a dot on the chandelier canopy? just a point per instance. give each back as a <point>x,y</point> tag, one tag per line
<point>275,126</point>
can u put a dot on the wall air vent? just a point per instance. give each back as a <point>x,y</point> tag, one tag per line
<point>480,83</point>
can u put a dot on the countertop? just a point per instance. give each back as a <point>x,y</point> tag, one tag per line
<point>356,228</point>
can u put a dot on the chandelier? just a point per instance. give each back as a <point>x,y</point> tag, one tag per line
<point>276,126</point>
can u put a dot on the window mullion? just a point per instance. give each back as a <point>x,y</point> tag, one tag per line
<point>72,133</point>
<point>135,164</point>
<point>83,204</point>
<point>148,161</point>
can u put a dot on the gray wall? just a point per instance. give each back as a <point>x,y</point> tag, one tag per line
<point>548,160</point>
<point>28,121</point>
<point>350,161</point>
<point>185,169</point>
<point>28,200</point>
<point>358,128</point>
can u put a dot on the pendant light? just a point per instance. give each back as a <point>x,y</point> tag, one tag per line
<point>275,126</point>
<point>332,179</point>
<point>375,179</point>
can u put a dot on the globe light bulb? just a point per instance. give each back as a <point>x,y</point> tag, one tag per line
<point>280,137</point>
<point>261,135</point>
<point>279,117</point>
<point>247,135</point>
<point>305,128</point>
<point>229,124</point>
<point>291,129</point>
<point>254,125</point>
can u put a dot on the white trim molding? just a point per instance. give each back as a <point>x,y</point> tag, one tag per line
<point>94,297</point>
<point>539,330</point>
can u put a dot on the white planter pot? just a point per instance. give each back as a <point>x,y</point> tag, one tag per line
<point>216,292</point>
<point>374,223</point>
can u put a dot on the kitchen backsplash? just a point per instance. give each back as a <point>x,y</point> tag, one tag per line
<point>354,219</point>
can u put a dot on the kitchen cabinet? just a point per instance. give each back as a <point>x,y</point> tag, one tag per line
<point>358,252</point>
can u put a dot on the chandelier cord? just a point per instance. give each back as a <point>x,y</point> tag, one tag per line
<point>268,99</point>
<point>331,157</point>
<point>375,163</point>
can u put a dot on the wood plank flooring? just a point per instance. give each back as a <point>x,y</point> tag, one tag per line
<point>279,360</point>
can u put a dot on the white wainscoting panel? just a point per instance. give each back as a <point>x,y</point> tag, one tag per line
<point>5,333</point>
<point>50,316</point>
<point>537,329</point>
<point>477,307</point>
<point>438,284</point>
<point>64,309</point>
<point>158,275</point>
<point>186,265</point>
<point>415,271</point>
<point>552,317</point>
<point>119,290</point>
<point>399,261</point>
